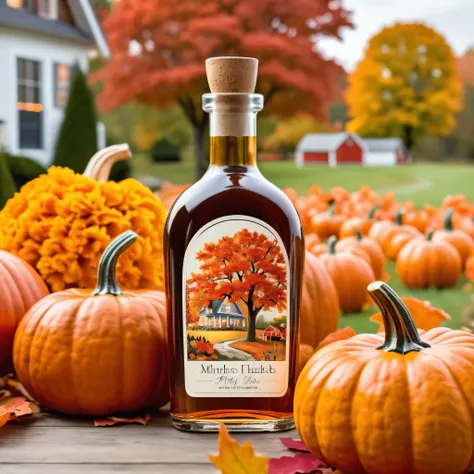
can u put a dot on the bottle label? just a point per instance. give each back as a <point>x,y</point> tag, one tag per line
<point>236,310</point>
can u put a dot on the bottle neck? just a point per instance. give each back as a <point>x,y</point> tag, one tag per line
<point>233,139</point>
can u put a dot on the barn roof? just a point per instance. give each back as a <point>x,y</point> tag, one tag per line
<point>383,144</point>
<point>321,141</point>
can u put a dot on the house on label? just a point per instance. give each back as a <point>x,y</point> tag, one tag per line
<point>40,42</point>
<point>273,334</point>
<point>338,149</point>
<point>222,314</point>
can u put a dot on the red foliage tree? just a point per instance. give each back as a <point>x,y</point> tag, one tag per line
<point>247,267</point>
<point>172,38</point>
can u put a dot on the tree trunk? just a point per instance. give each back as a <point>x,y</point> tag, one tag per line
<point>409,141</point>
<point>251,331</point>
<point>201,162</point>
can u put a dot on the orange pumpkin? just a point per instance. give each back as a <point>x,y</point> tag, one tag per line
<point>98,352</point>
<point>423,263</point>
<point>327,223</point>
<point>351,275</point>
<point>363,224</point>
<point>370,247</point>
<point>461,241</point>
<point>383,232</point>
<point>397,242</point>
<point>356,399</point>
<point>20,288</point>
<point>469,269</point>
<point>319,303</point>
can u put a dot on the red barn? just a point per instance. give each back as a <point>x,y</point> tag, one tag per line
<point>331,149</point>
<point>271,334</point>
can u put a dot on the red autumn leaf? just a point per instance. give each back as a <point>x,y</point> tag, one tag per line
<point>294,444</point>
<point>4,419</point>
<point>114,420</point>
<point>301,463</point>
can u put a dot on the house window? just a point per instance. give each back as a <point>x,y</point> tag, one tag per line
<point>62,82</point>
<point>30,108</point>
<point>44,8</point>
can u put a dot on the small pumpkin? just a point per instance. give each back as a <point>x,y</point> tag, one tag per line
<point>327,223</point>
<point>356,399</point>
<point>461,241</point>
<point>397,242</point>
<point>363,224</point>
<point>99,352</point>
<point>351,274</point>
<point>319,303</point>
<point>20,288</point>
<point>423,263</point>
<point>383,232</point>
<point>370,247</point>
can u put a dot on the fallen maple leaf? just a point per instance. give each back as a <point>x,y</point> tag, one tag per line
<point>300,463</point>
<point>425,315</point>
<point>294,444</point>
<point>340,335</point>
<point>236,459</point>
<point>14,408</point>
<point>114,420</point>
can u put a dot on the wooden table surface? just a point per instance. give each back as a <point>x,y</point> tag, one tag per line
<point>49,444</point>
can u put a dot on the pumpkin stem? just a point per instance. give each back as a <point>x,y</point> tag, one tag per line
<point>448,219</point>
<point>401,335</point>
<point>332,241</point>
<point>429,234</point>
<point>332,207</point>
<point>358,235</point>
<point>399,217</point>
<point>101,163</point>
<point>372,211</point>
<point>106,274</point>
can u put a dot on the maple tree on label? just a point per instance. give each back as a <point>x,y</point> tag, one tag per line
<point>406,85</point>
<point>247,268</point>
<point>159,48</point>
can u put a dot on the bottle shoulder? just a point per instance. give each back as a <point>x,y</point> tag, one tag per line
<point>221,194</point>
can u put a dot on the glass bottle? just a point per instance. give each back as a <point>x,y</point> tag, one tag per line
<point>234,255</point>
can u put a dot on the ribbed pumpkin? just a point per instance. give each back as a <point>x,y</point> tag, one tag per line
<point>398,240</point>
<point>319,303</point>
<point>461,241</point>
<point>363,224</point>
<point>327,223</point>
<point>351,274</point>
<point>384,231</point>
<point>423,263</point>
<point>20,288</point>
<point>393,404</point>
<point>97,352</point>
<point>370,247</point>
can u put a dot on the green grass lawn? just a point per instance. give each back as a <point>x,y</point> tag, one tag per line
<point>422,183</point>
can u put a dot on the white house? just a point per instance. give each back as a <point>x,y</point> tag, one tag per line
<point>40,41</point>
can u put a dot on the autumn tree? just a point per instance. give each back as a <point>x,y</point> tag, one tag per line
<point>290,131</point>
<point>246,268</point>
<point>159,48</point>
<point>405,86</point>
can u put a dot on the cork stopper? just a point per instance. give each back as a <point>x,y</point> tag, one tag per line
<point>232,74</point>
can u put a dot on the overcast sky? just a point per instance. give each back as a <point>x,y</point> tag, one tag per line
<point>453,18</point>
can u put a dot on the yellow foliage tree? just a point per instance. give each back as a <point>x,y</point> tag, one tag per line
<point>290,131</point>
<point>406,85</point>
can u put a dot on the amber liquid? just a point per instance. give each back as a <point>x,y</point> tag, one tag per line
<point>233,185</point>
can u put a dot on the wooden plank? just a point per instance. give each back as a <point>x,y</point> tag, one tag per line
<point>106,469</point>
<point>125,444</point>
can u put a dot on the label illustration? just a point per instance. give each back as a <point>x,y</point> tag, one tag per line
<point>236,310</point>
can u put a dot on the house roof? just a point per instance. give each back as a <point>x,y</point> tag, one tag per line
<point>326,142</point>
<point>88,30</point>
<point>216,308</point>
<point>383,144</point>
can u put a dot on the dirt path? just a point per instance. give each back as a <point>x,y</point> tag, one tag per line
<point>235,354</point>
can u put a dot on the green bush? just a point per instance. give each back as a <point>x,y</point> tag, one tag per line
<point>77,140</point>
<point>23,169</point>
<point>7,185</point>
<point>164,150</point>
<point>121,170</point>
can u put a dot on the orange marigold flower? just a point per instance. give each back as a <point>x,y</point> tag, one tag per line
<point>61,222</point>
